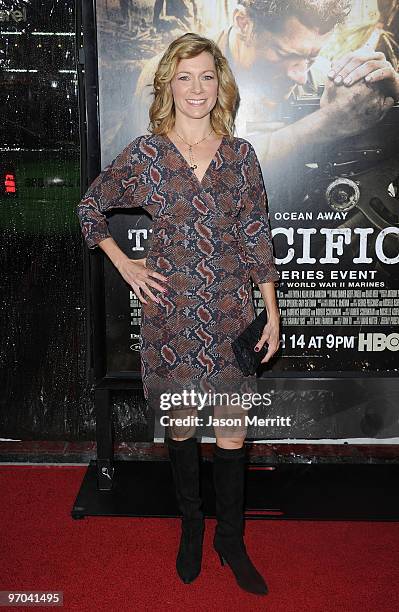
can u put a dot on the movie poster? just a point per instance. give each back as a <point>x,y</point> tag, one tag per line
<point>329,154</point>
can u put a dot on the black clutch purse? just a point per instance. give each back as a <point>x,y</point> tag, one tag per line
<point>243,346</point>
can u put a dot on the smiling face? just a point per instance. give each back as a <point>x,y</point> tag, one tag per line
<point>195,86</point>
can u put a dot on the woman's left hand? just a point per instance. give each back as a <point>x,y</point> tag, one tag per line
<point>271,335</point>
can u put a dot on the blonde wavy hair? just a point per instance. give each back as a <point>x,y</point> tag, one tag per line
<point>162,110</point>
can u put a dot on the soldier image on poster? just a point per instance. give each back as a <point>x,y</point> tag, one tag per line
<point>329,150</point>
<point>272,48</point>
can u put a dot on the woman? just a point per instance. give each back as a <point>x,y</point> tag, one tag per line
<point>204,190</point>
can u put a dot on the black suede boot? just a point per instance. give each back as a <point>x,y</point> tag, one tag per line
<point>228,478</point>
<point>185,468</point>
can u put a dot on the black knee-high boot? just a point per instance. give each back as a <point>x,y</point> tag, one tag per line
<point>228,478</point>
<point>185,468</point>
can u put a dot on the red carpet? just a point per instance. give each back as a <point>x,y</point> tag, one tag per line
<point>127,564</point>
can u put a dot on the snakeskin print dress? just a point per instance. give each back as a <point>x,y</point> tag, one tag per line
<point>209,238</point>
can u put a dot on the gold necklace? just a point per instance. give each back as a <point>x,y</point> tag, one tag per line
<point>193,165</point>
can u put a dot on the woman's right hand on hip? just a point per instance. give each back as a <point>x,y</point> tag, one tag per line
<point>138,276</point>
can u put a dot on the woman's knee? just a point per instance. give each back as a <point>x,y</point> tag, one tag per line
<point>181,433</point>
<point>230,443</point>
<point>182,424</point>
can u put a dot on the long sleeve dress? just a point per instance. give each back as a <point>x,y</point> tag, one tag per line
<point>209,238</point>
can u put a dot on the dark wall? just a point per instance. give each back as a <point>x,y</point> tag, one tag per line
<point>45,393</point>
